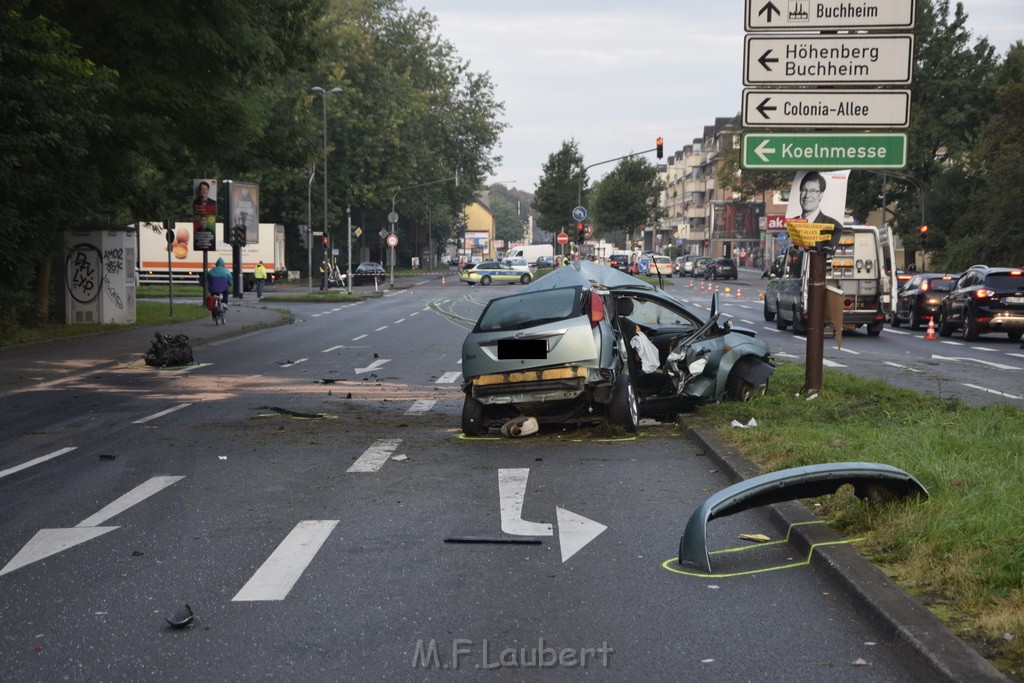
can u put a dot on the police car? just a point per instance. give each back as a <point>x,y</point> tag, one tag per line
<point>494,271</point>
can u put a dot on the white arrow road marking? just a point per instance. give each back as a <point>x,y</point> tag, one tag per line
<point>276,577</point>
<point>902,367</point>
<point>998,366</point>
<point>511,493</point>
<point>575,531</point>
<point>420,407</point>
<point>373,366</point>
<point>448,378</point>
<point>991,391</point>
<point>161,413</point>
<point>36,461</point>
<point>374,457</point>
<point>762,151</point>
<point>133,497</point>
<point>831,363</point>
<point>293,362</point>
<point>49,542</point>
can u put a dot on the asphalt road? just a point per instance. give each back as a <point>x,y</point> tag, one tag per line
<point>307,491</point>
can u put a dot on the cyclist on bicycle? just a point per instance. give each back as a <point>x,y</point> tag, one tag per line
<point>219,280</point>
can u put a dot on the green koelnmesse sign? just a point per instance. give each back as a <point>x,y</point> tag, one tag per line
<point>824,150</point>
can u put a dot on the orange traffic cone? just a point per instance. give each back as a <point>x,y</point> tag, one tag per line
<point>702,286</point>
<point>691,283</point>
<point>930,332</point>
<point>739,293</point>
<point>442,279</point>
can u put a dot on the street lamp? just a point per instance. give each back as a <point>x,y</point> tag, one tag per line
<point>323,94</point>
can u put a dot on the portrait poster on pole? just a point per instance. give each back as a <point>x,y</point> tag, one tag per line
<point>204,214</point>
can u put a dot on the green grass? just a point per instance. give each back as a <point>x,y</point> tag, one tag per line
<point>146,313</point>
<point>962,550</point>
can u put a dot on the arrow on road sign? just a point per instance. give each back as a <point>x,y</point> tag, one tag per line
<point>763,108</point>
<point>373,366</point>
<point>574,531</point>
<point>763,151</point>
<point>767,10</point>
<point>49,542</point>
<point>764,60</point>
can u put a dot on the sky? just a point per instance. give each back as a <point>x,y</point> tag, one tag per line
<point>614,75</point>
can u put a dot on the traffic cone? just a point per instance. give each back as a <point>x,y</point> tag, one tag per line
<point>442,279</point>
<point>702,286</point>
<point>739,293</point>
<point>691,283</point>
<point>930,332</point>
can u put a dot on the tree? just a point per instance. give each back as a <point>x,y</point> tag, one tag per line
<point>627,198</point>
<point>509,221</point>
<point>559,188</point>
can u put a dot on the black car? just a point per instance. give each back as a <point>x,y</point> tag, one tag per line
<point>721,269</point>
<point>984,300</point>
<point>369,273</point>
<point>920,298</point>
<point>545,262</point>
<point>619,261</point>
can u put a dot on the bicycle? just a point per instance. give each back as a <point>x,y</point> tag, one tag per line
<point>215,304</point>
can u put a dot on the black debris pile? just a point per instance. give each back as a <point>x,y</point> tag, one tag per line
<point>169,351</point>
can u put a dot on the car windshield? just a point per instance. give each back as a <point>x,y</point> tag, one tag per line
<point>940,285</point>
<point>1005,282</point>
<point>529,309</point>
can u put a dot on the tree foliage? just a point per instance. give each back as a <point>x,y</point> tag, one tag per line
<point>627,198</point>
<point>560,187</point>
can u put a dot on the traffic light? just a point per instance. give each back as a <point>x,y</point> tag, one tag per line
<point>923,233</point>
<point>325,241</point>
<point>238,235</point>
<point>661,147</point>
<point>580,234</point>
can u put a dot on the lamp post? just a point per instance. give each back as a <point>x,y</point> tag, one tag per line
<point>309,228</point>
<point>323,95</point>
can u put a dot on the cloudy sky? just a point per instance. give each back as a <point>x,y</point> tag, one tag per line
<point>616,74</point>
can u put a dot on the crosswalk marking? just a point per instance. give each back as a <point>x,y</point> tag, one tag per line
<point>448,378</point>
<point>420,407</point>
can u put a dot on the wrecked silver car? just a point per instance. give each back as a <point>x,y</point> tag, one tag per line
<point>588,343</point>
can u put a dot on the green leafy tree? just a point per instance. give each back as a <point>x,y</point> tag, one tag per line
<point>509,223</point>
<point>627,198</point>
<point>559,187</point>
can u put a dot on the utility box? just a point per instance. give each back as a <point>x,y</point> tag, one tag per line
<point>99,276</point>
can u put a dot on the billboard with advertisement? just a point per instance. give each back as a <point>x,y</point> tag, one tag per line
<point>204,219</point>
<point>244,202</point>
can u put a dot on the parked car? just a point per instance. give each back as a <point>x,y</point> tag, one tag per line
<point>920,298</point>
<point>721,269</point>
<point>368,273</point>
<point>677,264</point>
<point>984,300</point>
<point>494,271</point>
<point>619,261</point>
<point>545,262</point>
<point>587,343</point>
<point>700,264</point>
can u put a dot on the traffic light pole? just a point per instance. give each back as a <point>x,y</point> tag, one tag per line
<point>391,250</point>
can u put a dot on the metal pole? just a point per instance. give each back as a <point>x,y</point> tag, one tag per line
<point>309,229</point>
<point>323,94</point>
<point>348,270</point>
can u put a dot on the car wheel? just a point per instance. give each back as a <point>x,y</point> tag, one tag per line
<point>769,315</point>
<point>740,389</point>
<point>525,279</point>
<point>1016,335</point>
<point>623,409</point>
<point>915,320</point>
<point>945,328</point>
<point>971,332</point>
<point>875,329</point>
<point>798,324</point>
<point>894,319</point>
<point>485,280</point>
<point>473,417</point>
<point>780,322</point>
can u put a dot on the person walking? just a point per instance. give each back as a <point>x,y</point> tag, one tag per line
<point>260,273</point>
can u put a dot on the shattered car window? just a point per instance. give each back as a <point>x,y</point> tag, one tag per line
<point>654,315</point>
<point>529,309</point>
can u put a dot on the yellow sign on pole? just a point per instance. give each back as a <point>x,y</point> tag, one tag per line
<point>808,235</point>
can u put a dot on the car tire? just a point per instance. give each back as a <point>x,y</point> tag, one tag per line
<point>780,322</point>
<point>971,332</point>
<point>945,328</point>
<point>485,280</point>
<point>875,329</point>
<point>1016,335</point>
<point>894,319</point>
<point>473,417</point>
<point>740,389</point>
<point>798,325</point>
<point>915,320</point>
<point>525,279</point>
<point>769,315</point>
<point>623,409</point>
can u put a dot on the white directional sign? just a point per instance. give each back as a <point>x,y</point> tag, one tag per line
<point>828,60</point>
<point>826,108</point>
<point>814,15</point>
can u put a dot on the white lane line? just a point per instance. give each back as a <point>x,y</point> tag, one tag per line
<point>379,329</point>
<point>294,362</point>
<point>895,331</point>
<point>400,320</point>
<point>362,336</point>
<point>949,342</point>
<point>375,456</point>
<point>832,363</point>
<point>133,497</point>
<point>36,461</point>
<point>982,348</point>
<point>991,391</point>
<point>412,314</point>
<point>1016,355</point>
<point>161,413</point>
<point>850,351</point>
<point>277,576</point>
<point>448,378</point>
<point>183,370</point>
<point>333,348</point>
<point>420,407</point>
<point>511,493</point>
<point>902,367</point>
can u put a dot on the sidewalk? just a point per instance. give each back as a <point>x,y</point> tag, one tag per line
<point>26,364</point>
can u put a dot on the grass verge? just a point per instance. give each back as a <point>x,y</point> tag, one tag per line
<point>146,313</point>
<point>961,552</point>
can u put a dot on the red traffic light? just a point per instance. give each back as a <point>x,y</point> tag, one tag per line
<point>325,240</point>
<point>923,230</point>
<point>660,146</point>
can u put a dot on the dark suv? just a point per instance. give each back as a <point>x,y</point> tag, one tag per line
<point>721,269</point>
<point>920,298</point>
<point>620,261</point>
<point>984,300</point>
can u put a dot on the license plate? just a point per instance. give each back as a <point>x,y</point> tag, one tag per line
<point>522,349</point>
<point>1014,299</point>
